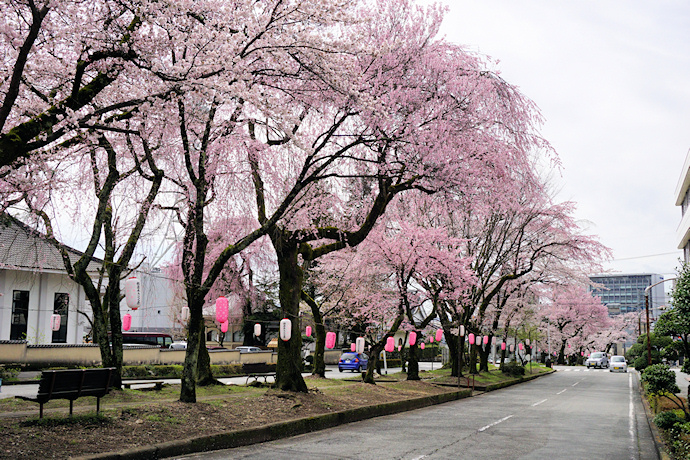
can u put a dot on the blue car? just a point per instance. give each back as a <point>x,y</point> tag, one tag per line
<point>356,362</point>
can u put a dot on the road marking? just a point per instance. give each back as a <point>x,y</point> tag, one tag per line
<point>537,403</point>
<point>631,421</point>
<point>562,391</point>
<point>574,384</point>
<point>420,457</point>
<point>494,424</point>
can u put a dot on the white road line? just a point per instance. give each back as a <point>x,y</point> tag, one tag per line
<point>420,457</point>
<point>494,424</point>
<point>631,421</point>
<point>540,402</point>
<point>574,384</point>
<point>562,391</point>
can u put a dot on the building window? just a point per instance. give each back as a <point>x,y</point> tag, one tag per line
<point>61,307</point>
<point>20,315</point>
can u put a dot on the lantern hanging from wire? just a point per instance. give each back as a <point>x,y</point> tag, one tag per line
<point>390,344</point>
<point>257,329</point>
<point>439,335</point>
<point>184,314</point>
<point>413,338</point>
<point>126,322</point>
<point>520,346</point>
<point>285,329</point>
<point>307,331</point>
<point>55,322</point>
<point>462,331</point>
<point>471,338</point>
<point>486,340</point>
<point>224,327</point>
<point>330,340</point>
<point>359,344</point>
<point>431,339</point>
<point>133,292</point>
<point>222,307</point>
<point>353,347</point>
<point>503,345</point>
<point>422,345</point>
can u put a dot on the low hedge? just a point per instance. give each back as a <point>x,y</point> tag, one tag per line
<point>175,371</point>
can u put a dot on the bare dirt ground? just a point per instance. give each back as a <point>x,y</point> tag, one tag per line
<point>138,418</point>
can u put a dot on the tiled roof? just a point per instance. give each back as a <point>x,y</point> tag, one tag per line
<point>22,248</point>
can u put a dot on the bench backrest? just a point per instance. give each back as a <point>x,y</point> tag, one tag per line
<point>73,383</point>
<point>258,367</point>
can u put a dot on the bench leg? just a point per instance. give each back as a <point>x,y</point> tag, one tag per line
<point>40,411</point>
<point>71,403</point>
<point>98,405</point>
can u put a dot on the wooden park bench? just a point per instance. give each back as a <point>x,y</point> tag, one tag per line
<point>256,370</point>
<point>71,384</point>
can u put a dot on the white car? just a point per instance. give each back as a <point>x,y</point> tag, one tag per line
<point>178,346</point>
<point>598,359</point>
<point>245,349</point>
<point>618,364</point>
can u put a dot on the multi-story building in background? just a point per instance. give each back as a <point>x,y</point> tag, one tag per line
<point>625,293</point>
<point>683,200</point>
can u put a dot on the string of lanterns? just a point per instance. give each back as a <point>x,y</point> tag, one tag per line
<point>133,300</point>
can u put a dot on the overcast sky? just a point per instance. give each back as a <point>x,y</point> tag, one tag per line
<point>612,79</point>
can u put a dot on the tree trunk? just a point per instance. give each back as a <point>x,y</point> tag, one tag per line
<point>112,299</point>
<point>289,367</point>
<point>194,341</point>
<point>473,360</point>
<point>204,373</point>
<point>484,358</point>
<point>413,363</point>
<point>320,347</point>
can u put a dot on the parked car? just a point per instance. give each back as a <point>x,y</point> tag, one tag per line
<point>215,348</point>
<point>618,364</point>
<point>356,362</point>
<point>247,349</point>
<point>178,346</point>
<point>598,359</point>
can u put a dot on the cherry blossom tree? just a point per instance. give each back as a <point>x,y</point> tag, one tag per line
<point>573,314</point>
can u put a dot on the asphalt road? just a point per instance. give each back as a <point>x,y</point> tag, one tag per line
<point>567,415</point>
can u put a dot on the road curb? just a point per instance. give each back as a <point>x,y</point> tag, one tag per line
<point>275,431</point>
<point>656,434</point>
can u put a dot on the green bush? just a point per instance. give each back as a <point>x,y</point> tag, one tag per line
<point>686,367</point>
<point>659,379</point>
<point>513,369</point>
<point>135,371</point>
<point>640,363</point>
<point>9,374</point>
<point>226,370</point>
<point>667,419</point>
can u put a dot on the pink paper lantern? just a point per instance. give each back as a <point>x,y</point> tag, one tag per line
<point>582,353</point>
<point>503,345</point>
<point>399,347</point>
<point>55,323</point>
<point>222,307</point>
<point>390,344</point>
<point>431,339</point>
<point>471,338</point>
<point>224,327</point>
<point>422,345</point>
<point>330,340</point>
<point>413,338</point>
<point>353,347</point>
<point>126,322</point>
<point>133,292</point>
<point>439,335</point>
<point>308,331</point>
<point>520,346</point>
<point>486,339</point>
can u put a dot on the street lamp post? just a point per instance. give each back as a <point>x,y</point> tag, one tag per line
<point>646,307</point>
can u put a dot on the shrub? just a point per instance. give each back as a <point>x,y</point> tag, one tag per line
<point>640,363</point>
<point>667,419</point>
<point>9,374</point>
<point>513,369</point>
<point>659,379</point>
<point>686,367</point>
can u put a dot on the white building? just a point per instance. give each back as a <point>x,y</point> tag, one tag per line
<point>683,200</point>
<point>34,285</point>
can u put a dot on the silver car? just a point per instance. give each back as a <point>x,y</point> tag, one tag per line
<point>598,359</point>
<point>618,364</point>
